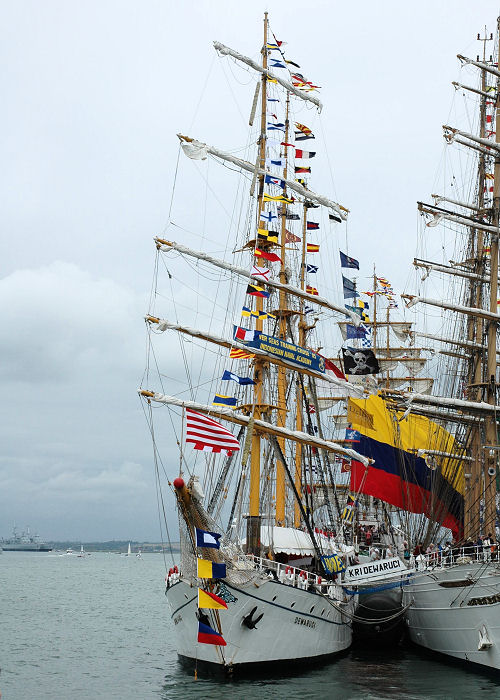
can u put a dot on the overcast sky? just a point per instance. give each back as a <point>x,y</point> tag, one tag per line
<point>92,96</point>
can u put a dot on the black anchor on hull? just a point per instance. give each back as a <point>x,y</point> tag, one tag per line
<point>248,620</point>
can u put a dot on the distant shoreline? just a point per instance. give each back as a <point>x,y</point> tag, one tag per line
<point>117,546</point>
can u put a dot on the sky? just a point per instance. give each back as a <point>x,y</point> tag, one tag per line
<point>92,96</point>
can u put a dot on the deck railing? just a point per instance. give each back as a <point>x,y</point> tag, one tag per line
<point>297,578</point>
<point>458,555</point>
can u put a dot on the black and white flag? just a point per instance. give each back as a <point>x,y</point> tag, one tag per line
<point>358,361</point>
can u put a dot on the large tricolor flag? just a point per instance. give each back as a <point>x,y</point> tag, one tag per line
<point>206,635</point>
<point>208,435</point>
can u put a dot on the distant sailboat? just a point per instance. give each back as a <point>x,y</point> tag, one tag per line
<point>129,551</point>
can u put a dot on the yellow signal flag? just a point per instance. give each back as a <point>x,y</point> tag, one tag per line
<point>278,198</point>
<point>210,600</point>
<point>210,569</point>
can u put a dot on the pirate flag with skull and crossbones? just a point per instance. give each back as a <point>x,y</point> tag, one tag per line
<point>360,361</point>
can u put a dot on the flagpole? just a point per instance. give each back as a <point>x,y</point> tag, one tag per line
<point>254,518</point>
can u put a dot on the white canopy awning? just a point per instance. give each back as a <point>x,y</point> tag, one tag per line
<point>288,540</point>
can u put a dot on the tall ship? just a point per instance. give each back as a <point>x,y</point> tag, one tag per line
<point>240,372</point>
<point>435,455</point>
<point>24,542</point>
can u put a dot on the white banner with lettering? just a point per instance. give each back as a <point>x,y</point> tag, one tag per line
<point>373,570</point>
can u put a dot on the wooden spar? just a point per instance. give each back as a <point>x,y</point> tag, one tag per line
<point>438,453</point>
<point>480,313</point>
<point>292,184</point>
<point>166,246</point>
<point>476,139</point>
<point>226,51</point>
<point>478,64</point>
<point>491,465</point>
<point>260,425</point>
<point>441,198</point>
<point>487,95</point>
<point>457,218</point>
<point>472,407</point>
<point>283,332</point>
<point>453,341</point>
<point>436,414</point>
<point>448,270</point>
<point>261,355</point>
<point>374,327</point>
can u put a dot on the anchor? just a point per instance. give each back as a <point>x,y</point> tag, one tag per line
<point>484,640</point>
<point>248,620</point>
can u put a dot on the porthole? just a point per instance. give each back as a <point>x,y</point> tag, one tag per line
<point>274,598</point>
<point>311,609</point>
<point>322,612</point>
<point>292,604</point>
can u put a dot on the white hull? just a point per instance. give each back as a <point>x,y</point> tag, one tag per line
<point>440,619</point>
<point>296,624</point>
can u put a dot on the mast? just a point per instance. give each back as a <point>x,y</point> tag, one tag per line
<point>473,485</point>
<point>491,446</point>
<point>254,518</point>
<point>387,343</point>
<point>298,391</point>
<point>282,412</point>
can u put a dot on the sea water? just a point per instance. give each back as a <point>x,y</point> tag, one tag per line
<point>79,628</point>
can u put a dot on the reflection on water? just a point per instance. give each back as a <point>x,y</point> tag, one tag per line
<point>99,627</point>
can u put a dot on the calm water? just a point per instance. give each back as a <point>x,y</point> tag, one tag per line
<point>99,627</point>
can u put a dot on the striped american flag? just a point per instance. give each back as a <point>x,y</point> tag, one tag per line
<point>208,435</point>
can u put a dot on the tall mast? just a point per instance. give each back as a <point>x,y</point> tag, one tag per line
<point>387,344</point>
<point>474,484</point>
<point>253,522</point>
<point>491,369</point>
<point>281,417</point>
<point>374,327</point>
<point>298,394</point>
